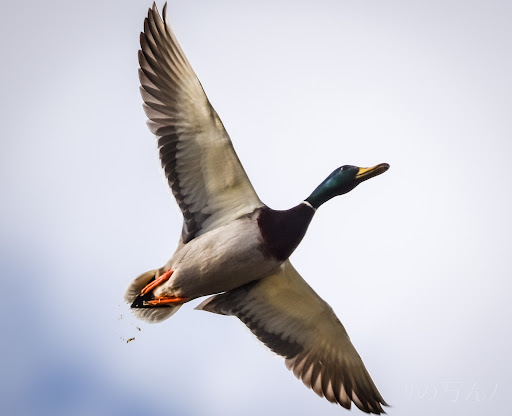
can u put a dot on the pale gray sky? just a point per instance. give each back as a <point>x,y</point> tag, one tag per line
<point>416,263</point>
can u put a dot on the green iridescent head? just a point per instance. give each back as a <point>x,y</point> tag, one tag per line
<point>343,180</point>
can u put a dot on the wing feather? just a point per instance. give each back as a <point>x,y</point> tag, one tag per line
<point>198,158</point>
<point>292,320</point>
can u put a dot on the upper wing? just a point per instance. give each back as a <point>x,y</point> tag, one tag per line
<point>291,319</point>
<point>203,170</point>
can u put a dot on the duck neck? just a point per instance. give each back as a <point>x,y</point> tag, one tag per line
<point>321,194</point>
<point>282,231</point>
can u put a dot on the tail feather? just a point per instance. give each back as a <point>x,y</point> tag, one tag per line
<point>155,314</point>
<point>148,314</point>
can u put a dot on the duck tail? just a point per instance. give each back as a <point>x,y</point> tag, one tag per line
<point>151,314</point>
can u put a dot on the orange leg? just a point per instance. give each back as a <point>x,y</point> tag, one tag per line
<point>165,300</point>
<point>156,282</point>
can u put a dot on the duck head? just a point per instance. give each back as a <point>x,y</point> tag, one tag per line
<point>343,180</point>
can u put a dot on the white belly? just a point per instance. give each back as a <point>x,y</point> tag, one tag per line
<point>221,260</point>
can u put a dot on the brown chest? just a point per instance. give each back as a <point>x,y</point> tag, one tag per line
<point>282,231</point>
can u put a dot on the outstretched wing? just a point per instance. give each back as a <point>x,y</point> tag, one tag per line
<point>292,320</point>
<point>203,170</point>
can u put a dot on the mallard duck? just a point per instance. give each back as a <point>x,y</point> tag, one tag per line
<point>232,245</point>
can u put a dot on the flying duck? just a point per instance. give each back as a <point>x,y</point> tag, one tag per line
<point>232,245</point>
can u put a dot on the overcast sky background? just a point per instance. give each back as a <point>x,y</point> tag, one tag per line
<point>416,263</point>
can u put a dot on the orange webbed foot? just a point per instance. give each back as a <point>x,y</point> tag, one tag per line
<point>163,278</point>
<point>165,300</point>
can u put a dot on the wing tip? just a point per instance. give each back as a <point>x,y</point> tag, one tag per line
<point>164,12</point>
<point>336,391</point>
<point>154,14</point>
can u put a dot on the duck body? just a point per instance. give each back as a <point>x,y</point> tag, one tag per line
<point>235,254</point>
<point>220,260</point>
